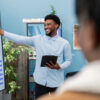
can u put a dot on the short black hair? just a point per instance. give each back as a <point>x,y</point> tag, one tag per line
<point>53,17</point>
<point>89,9</point>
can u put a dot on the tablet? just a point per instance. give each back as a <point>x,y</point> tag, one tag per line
<point>47,59</point>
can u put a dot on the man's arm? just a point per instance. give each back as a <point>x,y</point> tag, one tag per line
<point>24,40</point>
<point>67,59</point>
<point>67,56</point>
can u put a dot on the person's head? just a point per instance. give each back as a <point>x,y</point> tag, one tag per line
<point>52,23</point>
<point>88,14</point>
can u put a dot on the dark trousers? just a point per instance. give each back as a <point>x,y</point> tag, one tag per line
<point>41,90</point>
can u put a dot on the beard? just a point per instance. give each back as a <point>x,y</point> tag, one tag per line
<point>50,33</point>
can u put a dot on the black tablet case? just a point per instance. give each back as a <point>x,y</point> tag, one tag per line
<point>47,59</point>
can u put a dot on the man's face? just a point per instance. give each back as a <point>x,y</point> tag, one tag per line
<point>50,27</point>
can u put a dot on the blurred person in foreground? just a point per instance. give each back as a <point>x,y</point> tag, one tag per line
<point>86,84</point>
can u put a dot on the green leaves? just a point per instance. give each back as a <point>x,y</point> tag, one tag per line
<point>13,86</point>
<point>11,51</point>
<point>53,10</point>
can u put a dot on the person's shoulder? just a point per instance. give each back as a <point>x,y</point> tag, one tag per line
<point>63,40</point>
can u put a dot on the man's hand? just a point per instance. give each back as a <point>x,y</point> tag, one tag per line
<point>1,32</point>
<point>53,66</point>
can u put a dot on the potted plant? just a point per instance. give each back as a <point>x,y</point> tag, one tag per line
<point>11,51</point>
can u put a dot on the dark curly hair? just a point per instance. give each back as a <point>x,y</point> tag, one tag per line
<point>53,17</point>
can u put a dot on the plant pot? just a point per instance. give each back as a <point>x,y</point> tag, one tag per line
<point>6,97</point>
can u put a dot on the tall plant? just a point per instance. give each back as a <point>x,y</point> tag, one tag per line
<point>10,56</point>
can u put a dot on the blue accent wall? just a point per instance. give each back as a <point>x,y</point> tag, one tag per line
<point>13,11</point>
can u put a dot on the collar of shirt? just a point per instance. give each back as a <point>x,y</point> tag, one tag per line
<point>51,38</point>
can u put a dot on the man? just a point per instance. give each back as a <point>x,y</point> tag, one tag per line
<point>50,77</point>
<point>86,84</point>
